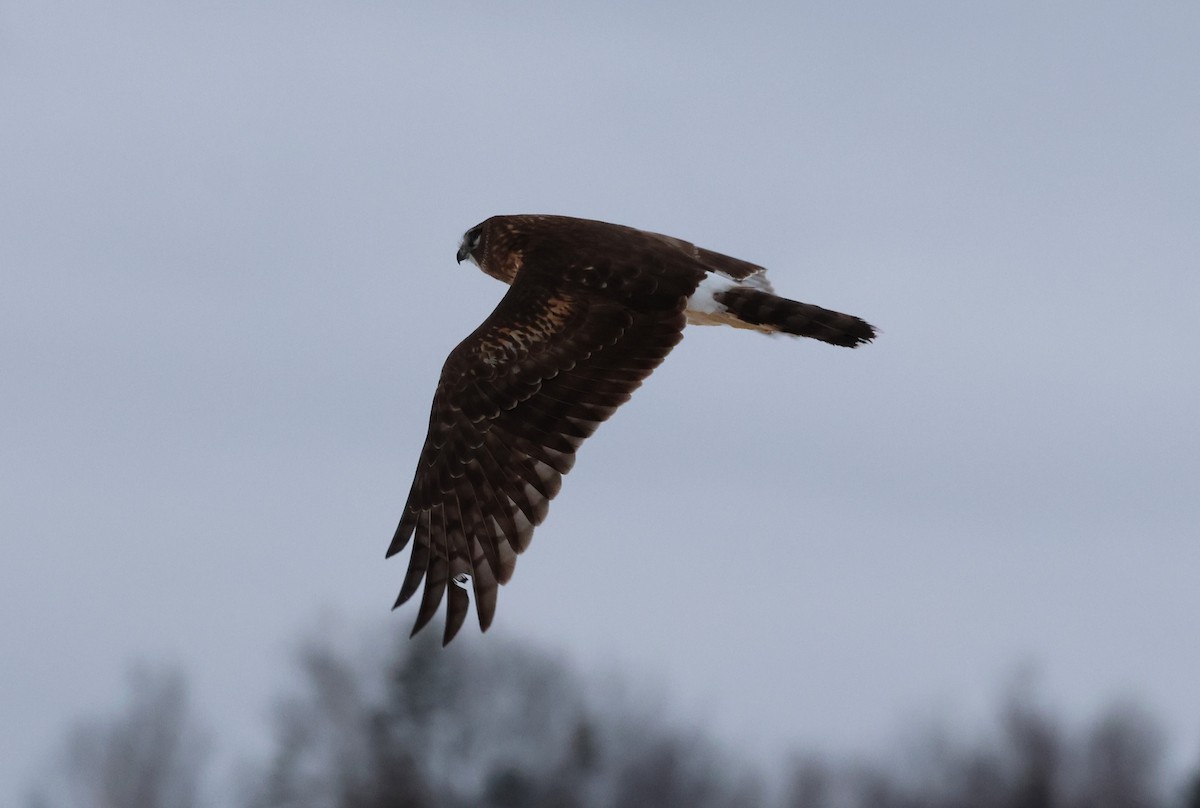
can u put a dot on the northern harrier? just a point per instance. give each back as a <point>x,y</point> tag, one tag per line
<point>591,310</point>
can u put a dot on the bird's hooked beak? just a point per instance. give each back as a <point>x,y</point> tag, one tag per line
<point>463,252</point>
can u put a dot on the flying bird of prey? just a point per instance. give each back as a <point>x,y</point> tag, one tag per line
<point>591,311</point>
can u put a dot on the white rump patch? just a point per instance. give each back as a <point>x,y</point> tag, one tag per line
<point>703,308</point>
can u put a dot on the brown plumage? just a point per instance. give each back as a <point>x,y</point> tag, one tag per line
<point>592,309</point>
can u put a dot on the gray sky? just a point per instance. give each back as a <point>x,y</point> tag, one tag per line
<point>227,236</point>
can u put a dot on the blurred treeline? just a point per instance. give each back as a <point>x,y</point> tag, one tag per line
<point>498,725</point>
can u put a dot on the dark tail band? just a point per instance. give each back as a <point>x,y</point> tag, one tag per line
<point>759,308</point>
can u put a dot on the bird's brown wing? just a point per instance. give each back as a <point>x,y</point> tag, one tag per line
<point>727,265</point>
<point>515,401</point>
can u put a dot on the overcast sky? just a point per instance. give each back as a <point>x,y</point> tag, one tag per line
<point>227,235</point>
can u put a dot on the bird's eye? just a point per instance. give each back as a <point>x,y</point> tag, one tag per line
<point>474,236</point>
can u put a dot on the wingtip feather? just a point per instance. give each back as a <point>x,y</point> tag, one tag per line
<point>435,588</point>
<point>404,532</point>
<point>457,606</point>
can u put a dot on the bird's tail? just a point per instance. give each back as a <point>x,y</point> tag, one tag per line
<point>767,312</point>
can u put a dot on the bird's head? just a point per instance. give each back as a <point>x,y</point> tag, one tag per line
<point>494,247</point>
<point>471,248</point>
